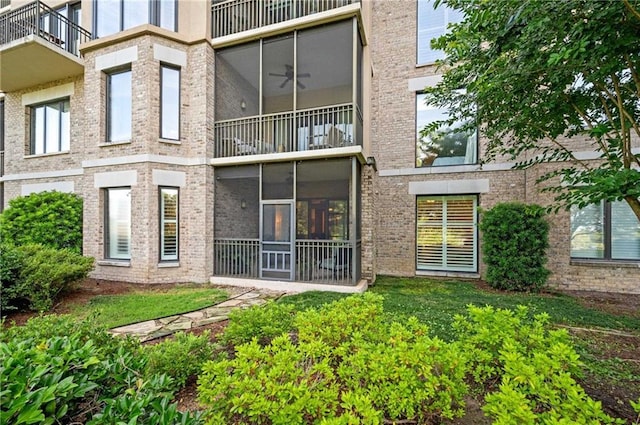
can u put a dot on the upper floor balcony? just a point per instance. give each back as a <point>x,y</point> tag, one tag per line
<point>39,44</point>
<point>234,16</point>
<point>295,92</point>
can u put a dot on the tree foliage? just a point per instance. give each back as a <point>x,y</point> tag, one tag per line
<point>539,74</point>
<point>53,219</point>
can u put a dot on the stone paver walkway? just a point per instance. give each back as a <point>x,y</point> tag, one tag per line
<point>164,326</point>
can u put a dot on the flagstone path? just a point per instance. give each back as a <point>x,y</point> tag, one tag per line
<point>151,329</point>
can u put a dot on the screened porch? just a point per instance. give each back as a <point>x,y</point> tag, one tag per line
<point>289,221</point>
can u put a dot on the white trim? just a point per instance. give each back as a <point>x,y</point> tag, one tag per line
<point>51,93</point>
<point>43,175</point>
<point>289,156</point>
<point>66,186</point>
<point>136,159</point>
<point>117,58</point>
<point>419,84</point>
<point>169,178</point>
<point>449,187</point>
<point>115,179</point>
<point>168,55</point>
<point>278,285</point>
<point>114,263</point>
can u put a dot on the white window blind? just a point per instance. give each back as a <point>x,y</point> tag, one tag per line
<point>168,224</point>
<point>625,232</point>
<point>119,223</point>
<point>432,23</point>
<point>446,233</point>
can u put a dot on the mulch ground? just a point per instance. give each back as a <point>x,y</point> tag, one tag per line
<point>614,398</point>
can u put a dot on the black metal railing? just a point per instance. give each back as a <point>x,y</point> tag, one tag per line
<point>233,16</point>
<point>4,3</point>
<point>308,129</point>
<point>39,19</point>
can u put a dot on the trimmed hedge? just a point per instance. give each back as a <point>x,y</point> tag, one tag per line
<point>514,243</point>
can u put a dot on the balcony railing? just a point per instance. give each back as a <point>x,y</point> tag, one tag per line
<point>308,129</point>
<point>39,19</point>
<point>233,16</point>
<point>329,262</point>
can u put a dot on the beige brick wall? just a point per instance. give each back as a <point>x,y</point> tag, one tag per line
<point>393,49</point>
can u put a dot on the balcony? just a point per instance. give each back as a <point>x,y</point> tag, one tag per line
<point>38,45</point>
<point>234,16</point>
<point>310,129</point>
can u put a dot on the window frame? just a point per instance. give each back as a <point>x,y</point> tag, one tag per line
<point>607,238</point>
<point>33,122</point>
<point>166,66</point>
<point>418,29</point>
<point>109,85</point>
<point>476,241</point>
<point>154,15</point>
<point>107,227</point>
<point>476,140</point>
<point>161,222</point>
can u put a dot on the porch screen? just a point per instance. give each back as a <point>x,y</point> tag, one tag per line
<point>446,233</point>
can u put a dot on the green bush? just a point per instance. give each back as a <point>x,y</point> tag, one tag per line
<point>179,357</point>
<point>39,274</point>
<point>57,370</point>
<point>514,241</point>
<point>11,261</point>
<point>344,364</point>
<point>530,367</point>
<point>53,219</point>
<point>261,322</point>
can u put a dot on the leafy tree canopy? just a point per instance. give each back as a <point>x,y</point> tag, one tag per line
<point>538,73</point>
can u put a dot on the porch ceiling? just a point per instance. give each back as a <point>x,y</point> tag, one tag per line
<point>31,61</point>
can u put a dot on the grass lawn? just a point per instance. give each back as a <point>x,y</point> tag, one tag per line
<point>436,302</point>
<point>137,306</point>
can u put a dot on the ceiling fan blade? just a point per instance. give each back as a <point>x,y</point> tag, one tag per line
<point>284,83</point>
<point>300,85</point>
<point>305,75</point>
<point>273,74</point>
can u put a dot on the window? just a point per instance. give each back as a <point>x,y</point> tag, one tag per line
<point>118,223</point>
<point>169,103</point>
<point>50,127</point>
<point>605,231</point>
<point>119,106</point>
<point>446,145</point>
<point>168,224</point>
<point>112,16</point>
<point>446,237</point>
<point>432,23</point>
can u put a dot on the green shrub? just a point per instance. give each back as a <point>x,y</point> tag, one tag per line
<point>56,370</point>
<point>261,322</point>
<point>530,366</point>
<point>344,365</point>
<point>44,273</point>
<point>179,357</point>
<point>514,241</point>
<point>11,262</point>
<point>53,219</point>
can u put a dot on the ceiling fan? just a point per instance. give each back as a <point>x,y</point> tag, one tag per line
<point>288,75</point>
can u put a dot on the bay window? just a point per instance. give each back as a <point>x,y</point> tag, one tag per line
<point>112,16</point>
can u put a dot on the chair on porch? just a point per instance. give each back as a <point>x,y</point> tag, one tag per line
<point>339,262</point>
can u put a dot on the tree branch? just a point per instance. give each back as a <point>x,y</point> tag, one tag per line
<point>634,73</point>
<point>587,121</point>
<point>626,135</point>
<point>631,9</point>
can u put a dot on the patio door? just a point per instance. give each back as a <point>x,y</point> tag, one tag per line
<point>276,242</point>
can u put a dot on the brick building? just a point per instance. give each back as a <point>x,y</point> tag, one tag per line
<point>271,140</point>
